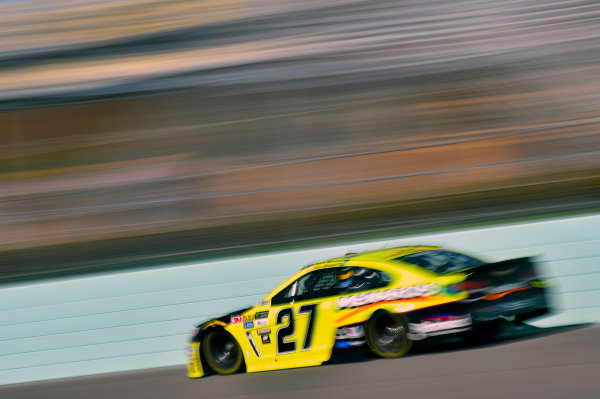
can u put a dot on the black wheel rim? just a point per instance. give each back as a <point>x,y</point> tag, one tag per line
<point>224,351</point>
<point>390,334</point>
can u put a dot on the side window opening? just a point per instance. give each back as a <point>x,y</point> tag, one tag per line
<point>357,279</point>
<point>286,295</point>
<point>334,281</point>
<point>317,284</point>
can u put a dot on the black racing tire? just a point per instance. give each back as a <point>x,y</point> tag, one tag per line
<point>221,351</point>
<point>387,335</point>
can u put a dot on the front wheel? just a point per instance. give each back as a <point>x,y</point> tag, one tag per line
<point>387,335</point>
<point>221,351</point>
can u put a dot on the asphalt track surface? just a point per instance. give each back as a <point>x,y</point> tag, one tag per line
<point>546,363</point>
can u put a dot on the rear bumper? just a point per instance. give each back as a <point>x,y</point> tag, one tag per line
<point>461,316</point>
<point>523,305</point>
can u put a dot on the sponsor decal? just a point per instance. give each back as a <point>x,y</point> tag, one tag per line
<point>263,303</point>
<point>248,324</point>
<point>443,317</point>
<point>265,339</point>
<point>190,353</point>
<point>262,318</point>
<point>350,332</point>
<point>237,319</point>
<point>264,331</point>
<point>414,291</point>
<point>248,317</point>
<point>349,344</point>
<point>262,322</point>
<point>442,322</point>
<point>262,315</point>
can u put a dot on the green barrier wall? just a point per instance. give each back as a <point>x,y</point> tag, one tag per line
<point>136,320</point>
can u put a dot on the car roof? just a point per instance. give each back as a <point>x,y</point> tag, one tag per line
<point>378,255</point>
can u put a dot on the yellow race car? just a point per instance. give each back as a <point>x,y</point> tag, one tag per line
<point>385,299</point>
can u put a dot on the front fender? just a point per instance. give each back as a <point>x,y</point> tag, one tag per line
<point>196,364</point>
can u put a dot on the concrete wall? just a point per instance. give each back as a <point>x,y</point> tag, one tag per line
<point>135,320</point>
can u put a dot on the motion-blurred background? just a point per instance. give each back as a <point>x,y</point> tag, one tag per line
<point>134,131</point>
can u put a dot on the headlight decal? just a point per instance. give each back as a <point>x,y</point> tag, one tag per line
<point>252,343</point>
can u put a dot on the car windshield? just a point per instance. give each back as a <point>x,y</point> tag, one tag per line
<point>441,261</point>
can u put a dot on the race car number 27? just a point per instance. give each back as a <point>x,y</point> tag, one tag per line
<point>285,332</point>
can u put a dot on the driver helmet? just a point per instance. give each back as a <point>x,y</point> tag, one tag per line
<point>345,277</point>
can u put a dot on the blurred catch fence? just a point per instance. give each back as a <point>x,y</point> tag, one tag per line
<point>134,320</point>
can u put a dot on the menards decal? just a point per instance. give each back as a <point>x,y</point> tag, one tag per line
<point>414,291</point>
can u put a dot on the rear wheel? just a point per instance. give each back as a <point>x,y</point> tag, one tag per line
<point>387,335</point>
<point>221,351</point>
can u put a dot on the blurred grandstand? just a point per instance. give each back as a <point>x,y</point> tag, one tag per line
<point>136,131</point>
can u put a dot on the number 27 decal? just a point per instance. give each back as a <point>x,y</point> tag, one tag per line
<point>289,329</point>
